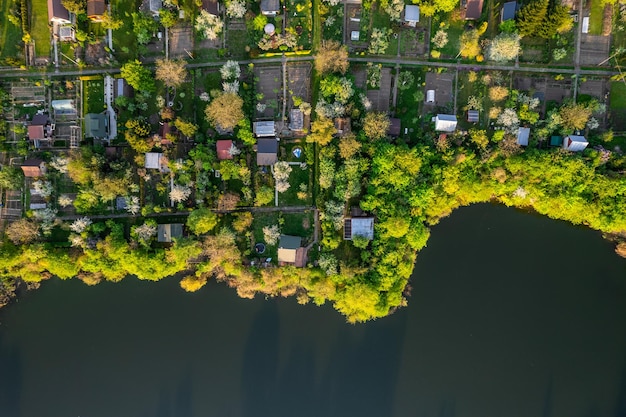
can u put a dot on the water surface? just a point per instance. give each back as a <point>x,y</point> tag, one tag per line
<point>511,315</point>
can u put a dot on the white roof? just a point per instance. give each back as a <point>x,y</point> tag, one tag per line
<point>153,160</point>
<point>445,123</point>
<point>264,128</point>
<point>354,35</point>
<point>363,226</point>
<point>412,13</point>
<point>585,25</point>
<point>430,96</point>
<point>575,143</point>
<point>522,136</point>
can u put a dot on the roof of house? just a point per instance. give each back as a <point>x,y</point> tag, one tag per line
<point>262,129</point>
<point>32,167</point>
<point>473,116</point>
<point>153,160</point>
<point>359,226</point>
<point>211,6</point>
<point>40,119</point>
<point>395,127</point>
<point>63,107</point>
<point>95,125</point>
<point>36,132</point>
<point>296,119</point>
<point>412,13</point>
<point>445,122</point>
<point>287,247</point>
<point>223,148</point>
<point>56,10</point>
<point>556,140</point>
<point>508,10</point>
<point>270,6</point>
<point>266,159</point>
<point>66,33</point>
<point>155,5</point>
<point>167,232</point>
<point>473,9</point>
<point>267,145</point>
<point>575,142</point>
<point>95,7</point>
<point>523,134</point>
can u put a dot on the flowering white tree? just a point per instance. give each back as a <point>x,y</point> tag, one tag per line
<point>271,234</point>
<point>236,9</point>
<point>231,87</point>
<point>80,225</point>
<point>394,9</point>
<point>440,39</point>
<point>77,241</point>
<point>206,97</point>
<point>65,201</point>
<point>46,217</point>
<point>379,41</point>
<point>43,188</point>
<point>208,25</point>
<point>230,70</point>
<point>509,120</point>
<point>59,163</point>
<point>504,47</point>
<point>260,107</point>
<point>281,173</point>
<point>234,151</point>
<point>145,232</point>
<point>180,193</point>
<point>333,212</point>
<point>132,205</point>
<point>328,263</point>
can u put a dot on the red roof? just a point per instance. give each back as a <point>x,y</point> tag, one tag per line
<point>223,146</point>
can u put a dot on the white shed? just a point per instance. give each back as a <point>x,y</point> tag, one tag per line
<point>575,143</point>
<point>264,129</point>
<point>523,134</point>
<point>445,123</point>
<point>153,160</point>
<point>411,14</point>
<point>430,96</point>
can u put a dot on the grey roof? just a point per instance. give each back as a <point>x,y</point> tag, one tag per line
<point>153,160</point>
<point>40,120</point>
<point>508,10</point>
<point>267,145</point>
<point>523,134</point>
<point>270,6</point>
<point>95,125</point>
<point>266,159</point>
<point>412,13</point>
<point>169,231</point>
<point>474,9</point>
<point>473,115</point>
<point>363,226</point>
<point>264,128</point>
<point>289,242</point>
<point>296,119</point>
<point>57,11</point>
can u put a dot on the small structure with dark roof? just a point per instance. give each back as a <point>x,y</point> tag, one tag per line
<point>95,10</point>
<point>343,125</point>
<point>473,9</point>
<point>96,126</point>
<point>291,252</point>
<point>39,129</point>
<point>57,13</point>
<point>266,152</point>
<point>167,232</point>
<point>395,127</point>
<point>211,7</point>
<point>508,11</point>
<point>270,7</point>
<point>223,149</point>
<point>34,168</point>
<point>264,129</point>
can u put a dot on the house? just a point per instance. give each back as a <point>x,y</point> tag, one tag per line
<point>473,9</point>
<point>67,34</point>
<point>167,232</point>
<point>508,11</point>
<point>96,126</point>
<point>291,252</point>
<point>266,152</point>
<point>296,120</point>
<point>95,10</point>
<point>223,149</point>
<point>343,125</point>
<point>394,127</point>
<point>39,129</point>
<point>575,143</point>
<point>523,134</point>
<point>57,13</point>
<point>445,122</point>
<point>34,168</point>
<point>264,129</point>
<point>270,7</point>
<point>211,7</point>
<point>153,160</point>
<point>473,116</point>
<point>411,14</point>
<point>358,226</point>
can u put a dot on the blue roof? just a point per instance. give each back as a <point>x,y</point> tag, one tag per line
<point>508,10</point>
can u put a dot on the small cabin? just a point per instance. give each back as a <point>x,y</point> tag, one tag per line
<point>445,122</point>
<point>473,116</point>
<point>358,226</point>
<point>95,10</point>
<point>34,168</point>
<point>508,11</point>
<point>57,13</point>
<point>473,9</point>
<point>411,15</point>
<point>575,143</point>
<point>523,135</point>
<point>223,149</point>
<point>270,8</point>
<point>264,129</point>
<point>167,232</point>
<point>266,152</point>
<point>291,252</point>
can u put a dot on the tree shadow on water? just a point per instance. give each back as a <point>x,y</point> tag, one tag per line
<point>177,401</point>
<point>10,380</point>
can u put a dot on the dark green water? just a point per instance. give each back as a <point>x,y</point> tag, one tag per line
<point>511,315</point>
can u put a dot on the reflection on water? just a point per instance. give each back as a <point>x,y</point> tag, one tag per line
<point>511,315</point>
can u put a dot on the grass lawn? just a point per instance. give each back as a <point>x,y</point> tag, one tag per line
<point>535,50</point>
<point>93,96</point>
<point>454,30</point>
<point>124,40</point>
<point>260,221</point>
<point>297,177</point>
<point>10,35</point>
<point>618,95</point>
<point>299,18</point>
<point>410,101</point>
<point>596,16</point>
<point>237,42</point>
<point>39,27</point>
<point>298,224</point>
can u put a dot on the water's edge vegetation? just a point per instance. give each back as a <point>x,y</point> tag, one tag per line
<point>407,188</point>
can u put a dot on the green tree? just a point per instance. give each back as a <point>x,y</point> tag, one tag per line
<point>171,72</point>
<point>188,129</point>
<point>168,17</point>
<point>201,221</point>
<point>143,27</point>
<point>322,131</point>
<point>264,195</point>
<point>376,125</point>
<point>225,111</point>
<point>11,178</point>
<point>531,16</point>
<point>74,6</point>
<point>137,76</point>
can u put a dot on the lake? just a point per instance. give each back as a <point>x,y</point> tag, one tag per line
<point>511,314</point>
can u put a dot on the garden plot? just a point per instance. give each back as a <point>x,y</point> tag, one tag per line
<point>595,88</point>
<point>546,89</point>
<point>269,90</point>
<point>352,25</point>
<point>299,76</point>
<point>413,41</point>
<point>618,106</point>
<point>298,18</point>
<point>442,84</point>
<point>181,41</point>
<point>594,49</point>
<point>380,98</point>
